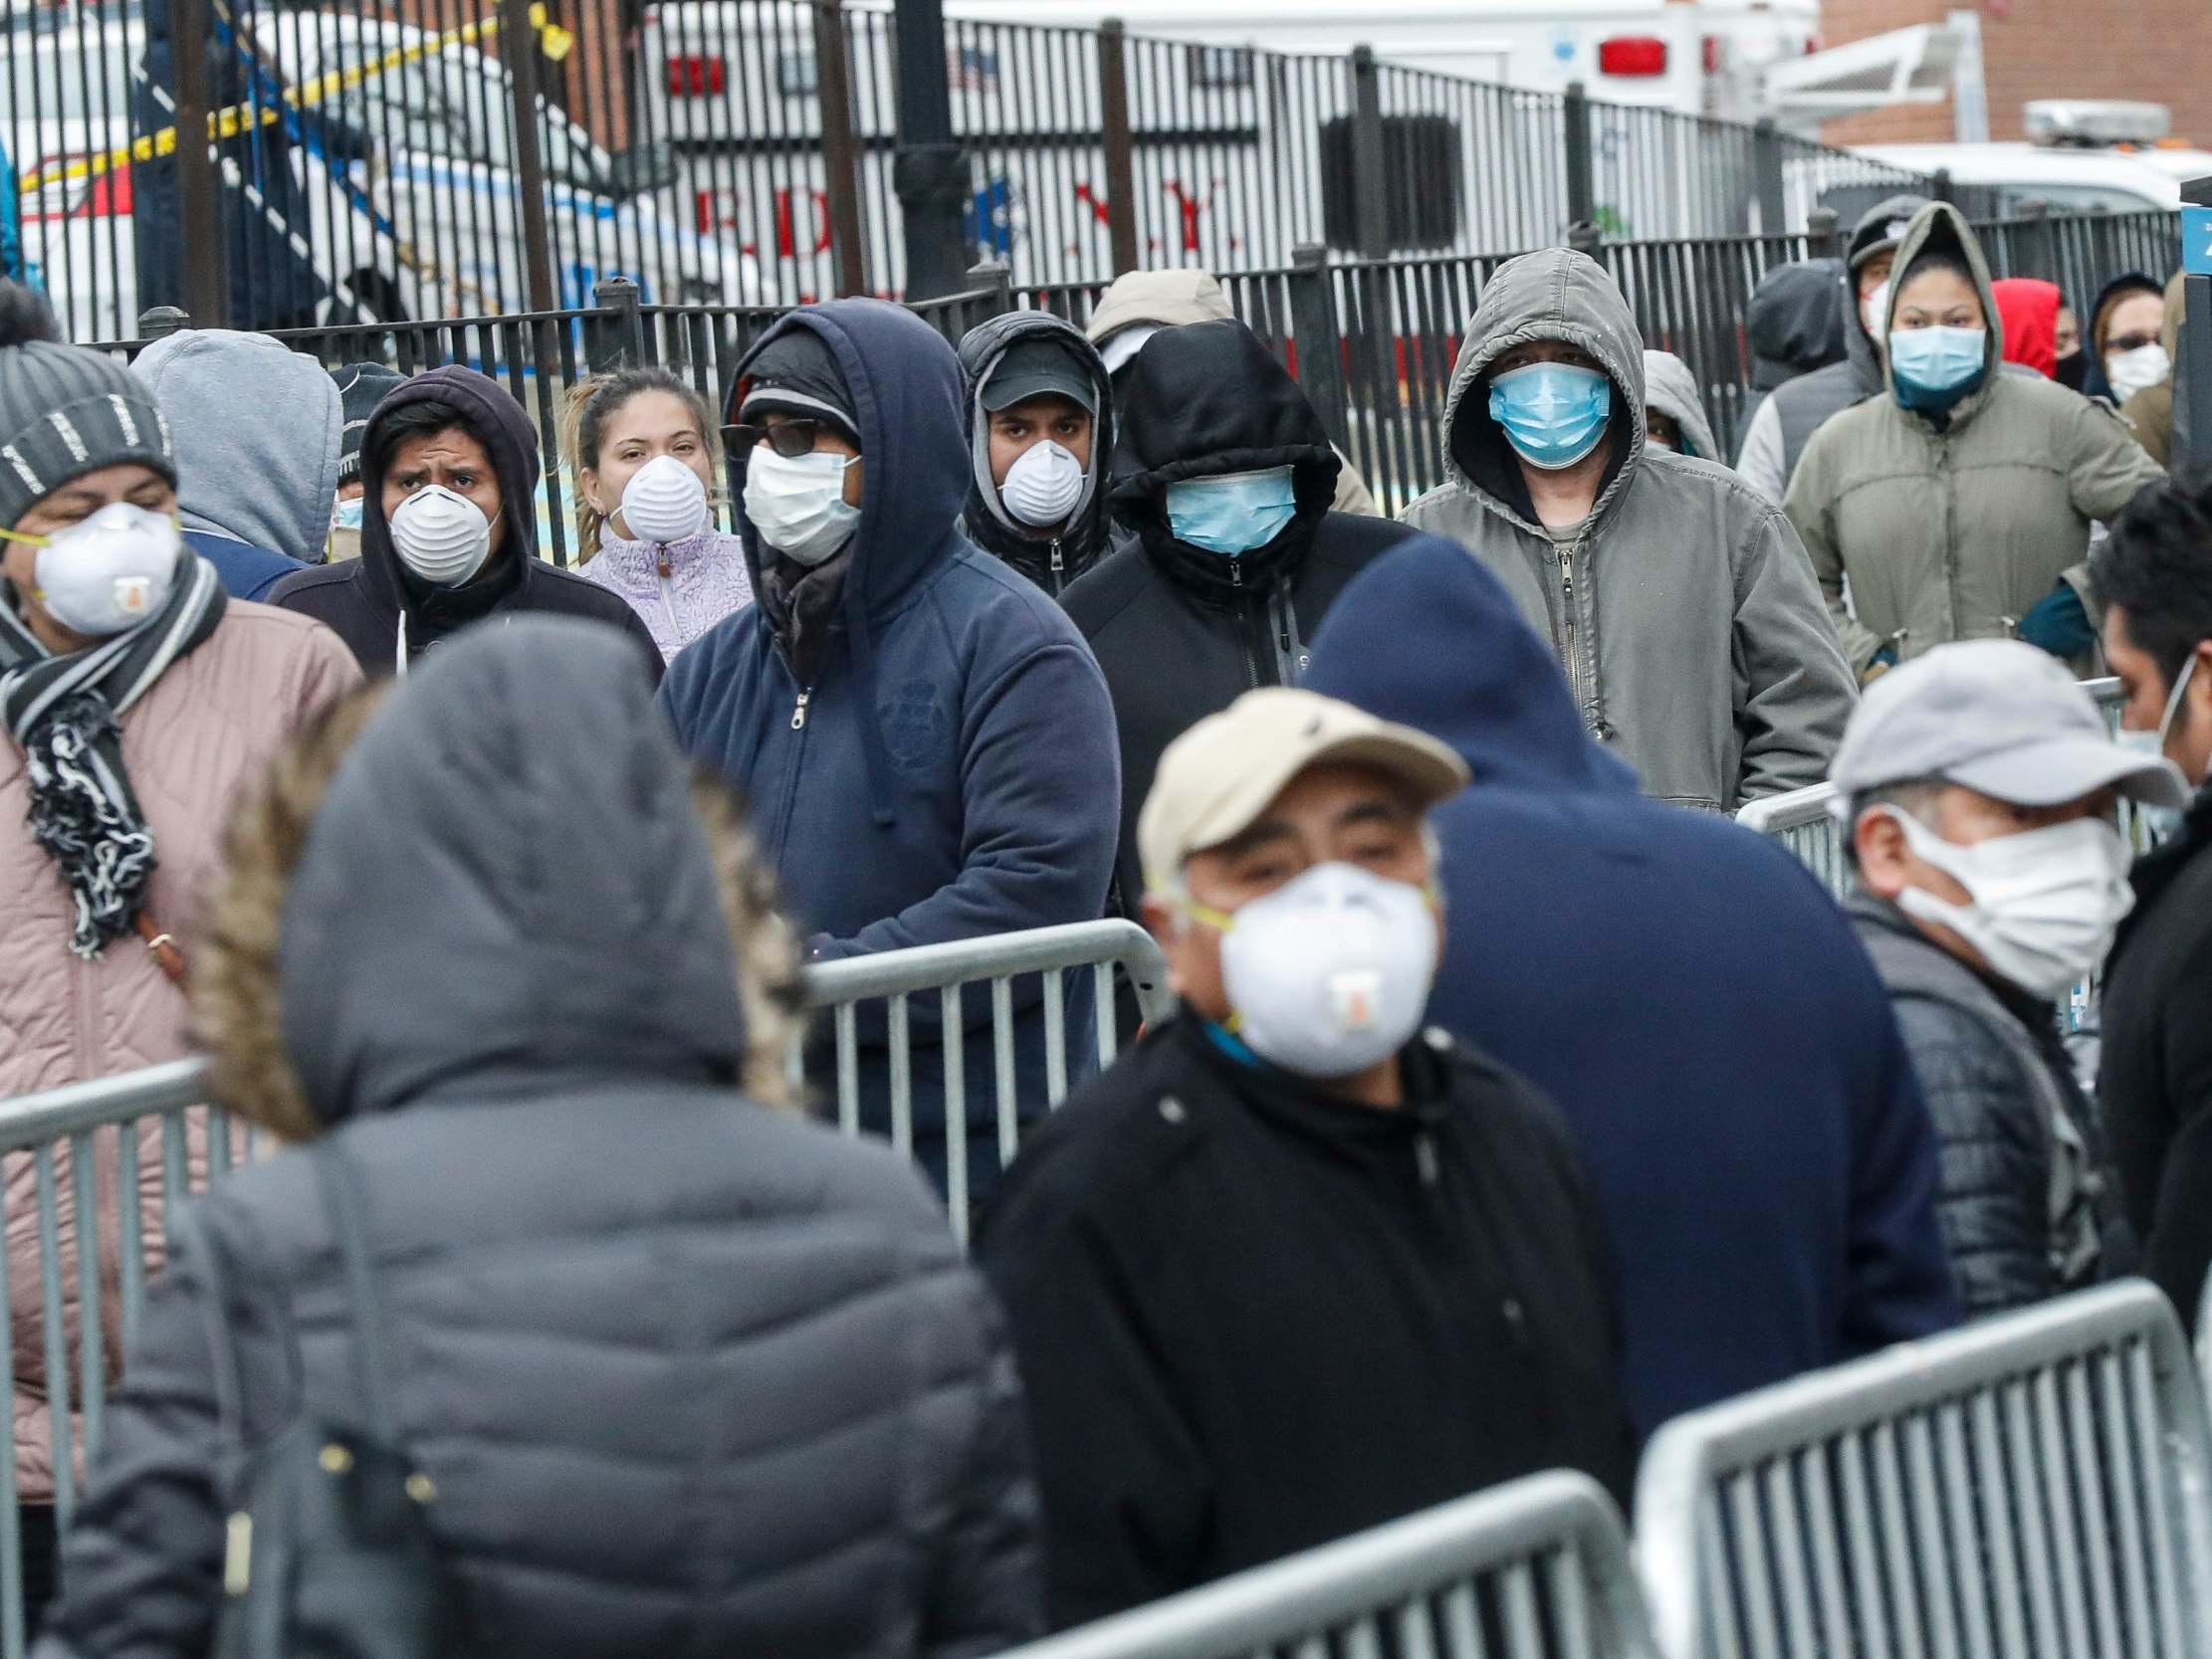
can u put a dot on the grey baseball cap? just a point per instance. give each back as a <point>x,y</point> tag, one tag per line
<point>1999,717</point>
<point>1037,368</point>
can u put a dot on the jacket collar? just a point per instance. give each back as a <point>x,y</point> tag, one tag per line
<point>1300,1107</point>
<point>1934,971</point>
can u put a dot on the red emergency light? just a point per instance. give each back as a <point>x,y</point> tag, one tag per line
<point>696,75</point>
<point>1631,56</point>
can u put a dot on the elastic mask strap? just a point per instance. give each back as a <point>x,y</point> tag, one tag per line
<point>26,538</point>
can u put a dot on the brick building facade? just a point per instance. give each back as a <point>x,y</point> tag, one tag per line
<point>2159,51</point>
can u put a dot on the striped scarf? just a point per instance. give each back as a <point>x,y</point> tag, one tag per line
<point>61,712</point>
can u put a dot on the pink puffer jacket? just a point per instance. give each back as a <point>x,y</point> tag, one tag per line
<point>192,745</point>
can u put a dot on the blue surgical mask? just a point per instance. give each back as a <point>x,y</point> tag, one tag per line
<point>1233,512</point>
<point>1553,414</point>
<point>1935,368</point>
<point>349,515</point>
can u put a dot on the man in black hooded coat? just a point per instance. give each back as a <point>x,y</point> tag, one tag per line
<point>1180,632</point>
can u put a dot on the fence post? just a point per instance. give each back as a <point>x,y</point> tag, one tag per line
<point>2192,375</point>
<point>840,148</point>
<point>156,320</point>
<point>1824,234</point>
<point>1121,144</point>
<point>1939,187</point>
<point>2033,252</point>
<point>928,171</point>
<point>992,277</point>
<point>1319,340</point>
<point>1585,237</point>
<point>618,341</point>
<point>1766,164</point>
<point>1370,168</point>
<point>1582,189</point>
<point>204,250</point>
<point>518,53</point>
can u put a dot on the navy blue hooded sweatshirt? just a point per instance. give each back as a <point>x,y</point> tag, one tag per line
<point>1681,987</point>
<point>955,774</point>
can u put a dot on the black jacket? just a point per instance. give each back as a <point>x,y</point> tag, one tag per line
<point>364,599</point>
<point>2024,1201</point>
<point>1053,563</point>
<point>1180,633</point>
<point>690,1376</point>
<point>2154,1085</point>
<point>1250,1318</point>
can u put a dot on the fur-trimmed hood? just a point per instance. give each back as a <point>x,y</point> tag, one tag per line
<point>489,883</point>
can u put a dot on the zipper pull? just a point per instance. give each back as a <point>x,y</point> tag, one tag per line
<point>1516,1322</point>
<point>798,713</point>
<point>1235,572</point>
<point>1424,1157</point>
<point>1057,565</point>
<point>665,572</point>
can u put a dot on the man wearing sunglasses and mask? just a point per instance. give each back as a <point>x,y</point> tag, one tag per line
<point>1979,784</point>
<point>924,739</point>
<point>1295,1266</point>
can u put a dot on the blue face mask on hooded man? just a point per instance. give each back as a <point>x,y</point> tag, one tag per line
<point>1553,414</point>
<point>1232,513</point>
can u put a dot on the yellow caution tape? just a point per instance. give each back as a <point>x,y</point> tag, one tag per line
<point>554,41</point>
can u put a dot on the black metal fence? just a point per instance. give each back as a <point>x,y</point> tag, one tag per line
<point>1373,343</point>
<point>408,159</point>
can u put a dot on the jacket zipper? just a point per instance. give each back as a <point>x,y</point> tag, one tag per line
<point>668,601</point>
<point>1950,532</point>
<point>1060,568</point>
<point>1567,603</point>
<point>1244,634</point>
<point>799,710</point>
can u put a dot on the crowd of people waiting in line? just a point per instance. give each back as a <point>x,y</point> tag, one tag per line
<point>1507,1109</point>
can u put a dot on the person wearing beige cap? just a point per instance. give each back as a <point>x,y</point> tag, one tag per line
<point>1979,786</point>
<point>1295,1266</point>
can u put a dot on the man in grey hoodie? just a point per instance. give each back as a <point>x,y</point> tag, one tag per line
<point>1677,599</point>
<point>256,429</point>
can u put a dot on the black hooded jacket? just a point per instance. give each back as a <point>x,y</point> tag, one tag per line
<point>1180,632</point>
<point>1053,562</point>
<point>690,1376</point>
<point>364,601</point>
<point>1796,321</point>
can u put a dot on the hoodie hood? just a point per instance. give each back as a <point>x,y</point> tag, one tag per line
<point>1670,388</point>
<point>1087,537</point>
<point>1162,299</point>
<point>505,431</point>
<point>2029,307</point>
<point>521,810</point>
<point>1208,398</point>
<point>909,402</point>
<point>1426,637</point>
<point>1554,294</point>
<point>1796,319</point>
<point>1941,228</point>
<point>257,428</point>
<point>1885,221</point>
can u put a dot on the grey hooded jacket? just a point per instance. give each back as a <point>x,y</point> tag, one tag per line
<point>1684,612</point>
<point>1670,388</point>
<point>690,1376</point>
<point>256,429</point>
<point>1957,527</point>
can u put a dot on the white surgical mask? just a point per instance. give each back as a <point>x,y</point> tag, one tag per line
<point>2136,370</point>
<point>1328,975</point>
<point>1043,485</point>
<point>2161,821</point>
<point>1873,310</point>
<point>2043,905</point>
<point>664,502</point>
<point>441,535</point>
<point>109,571</point>
<point>797,503</point>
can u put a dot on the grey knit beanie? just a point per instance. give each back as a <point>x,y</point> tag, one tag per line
<point>66,411</point>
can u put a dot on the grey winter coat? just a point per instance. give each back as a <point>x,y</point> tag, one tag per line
<point>690,1376</point>
<point>1684,613</point>
<point>2024,1175</point>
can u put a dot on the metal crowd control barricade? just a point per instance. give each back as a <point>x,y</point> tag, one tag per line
<point>1801,820</point>
<point>1535,1570</point>
<point>947,971</point>
<point>2033,1485</point>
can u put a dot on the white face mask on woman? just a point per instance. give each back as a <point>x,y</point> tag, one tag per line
<point>441,535</point>
<point>664,502</point>
<point>797,503</point>
<point>1329,975</point>
<point>2138,370</point>
<point>109,571</point>
<point>2042,905</point>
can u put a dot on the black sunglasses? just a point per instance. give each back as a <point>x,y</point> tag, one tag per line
<point>790,439</point>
